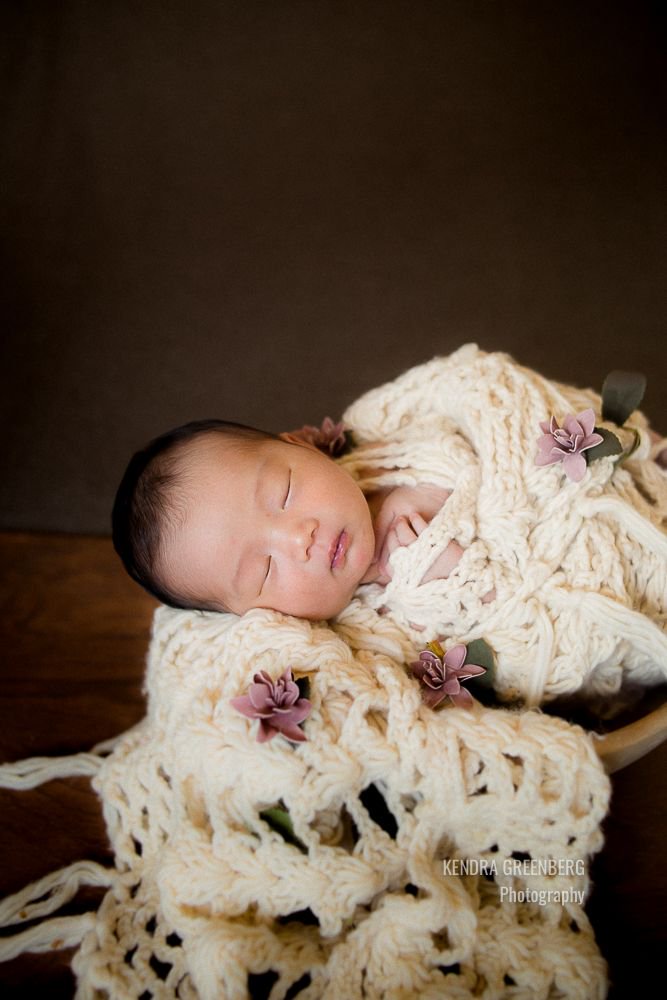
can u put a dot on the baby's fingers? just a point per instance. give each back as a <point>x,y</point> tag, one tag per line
<point>383,525</point>
<point>399,535</point>
<point>390,544</point>
<point>403,531</point>
<point>444,564</point>
<point>418,523</point>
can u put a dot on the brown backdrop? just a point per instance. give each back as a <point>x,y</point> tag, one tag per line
<point>258,210</point>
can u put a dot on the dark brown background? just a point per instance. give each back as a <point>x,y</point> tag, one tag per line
<point>258,210</point>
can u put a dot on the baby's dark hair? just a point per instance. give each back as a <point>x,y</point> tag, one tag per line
<point>146,502</point>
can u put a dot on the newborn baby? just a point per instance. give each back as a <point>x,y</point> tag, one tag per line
<point>557,559</point>
<point>222,517</point>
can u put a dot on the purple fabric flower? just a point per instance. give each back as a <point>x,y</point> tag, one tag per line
<point>329,437</point>
<point>277,705</point>
<point>442,675</point>
<point>567,443</point>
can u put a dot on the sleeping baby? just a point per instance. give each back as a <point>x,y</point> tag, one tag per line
<point>223,517</point>
<point>466,509</point>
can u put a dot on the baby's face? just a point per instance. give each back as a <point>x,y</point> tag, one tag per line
<point>268,524</point>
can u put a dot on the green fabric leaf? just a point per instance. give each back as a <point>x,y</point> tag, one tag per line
<point>480,652</point>
<point>609,446</point>
<point>279,819</point>
<point>622,392</point>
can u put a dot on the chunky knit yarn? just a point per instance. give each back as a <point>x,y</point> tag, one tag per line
<point>388,800</point>
<point>579,568</point>
<point>432,853</point>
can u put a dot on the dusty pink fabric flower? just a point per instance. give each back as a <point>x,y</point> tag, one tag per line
<point>566,444</point>
<point>442,675</point>
<point>277,705</point>
<point>329,437</point>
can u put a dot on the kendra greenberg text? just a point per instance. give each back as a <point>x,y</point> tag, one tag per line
<point>517,868</point>
<point>514,867</point>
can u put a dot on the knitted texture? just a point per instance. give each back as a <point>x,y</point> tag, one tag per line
<point>208,895</point>
<point>579,568</point>
<point>369,894</point>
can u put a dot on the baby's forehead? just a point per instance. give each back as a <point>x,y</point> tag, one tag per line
<point>205,468</point>
<point>221,465</point>
<point>213,447</point>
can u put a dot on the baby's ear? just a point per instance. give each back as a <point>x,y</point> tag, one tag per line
<point>297,437</point>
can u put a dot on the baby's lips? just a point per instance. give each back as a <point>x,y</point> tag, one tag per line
<point>331,552</point>
<point>338,549</point>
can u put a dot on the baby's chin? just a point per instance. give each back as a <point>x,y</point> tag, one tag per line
<point>346,599</point>
<point>332,609</point>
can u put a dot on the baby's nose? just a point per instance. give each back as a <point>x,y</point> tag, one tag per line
<point>299,537</point>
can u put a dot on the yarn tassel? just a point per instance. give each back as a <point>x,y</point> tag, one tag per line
<point>52,935</point>
<point>34,771</point>
<point>49,893</point>
<point>42,898</point>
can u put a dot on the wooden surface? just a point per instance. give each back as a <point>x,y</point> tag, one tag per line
<point>74,633</point>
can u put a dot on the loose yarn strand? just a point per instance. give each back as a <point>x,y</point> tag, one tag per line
<point>34,771</point>
<point>52,935</point>
<point>108,746</point>
<point>51,892</point>
<point>43,897</point>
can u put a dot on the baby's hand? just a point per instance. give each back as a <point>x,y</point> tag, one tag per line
<point>402,517</point>
<point>404,514</point>
<point>403,530</point>
<point>444,564</point>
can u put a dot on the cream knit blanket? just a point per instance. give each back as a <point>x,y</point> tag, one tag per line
<point>206,896</point>
<point>579,569</point>
<point>433,853</point>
